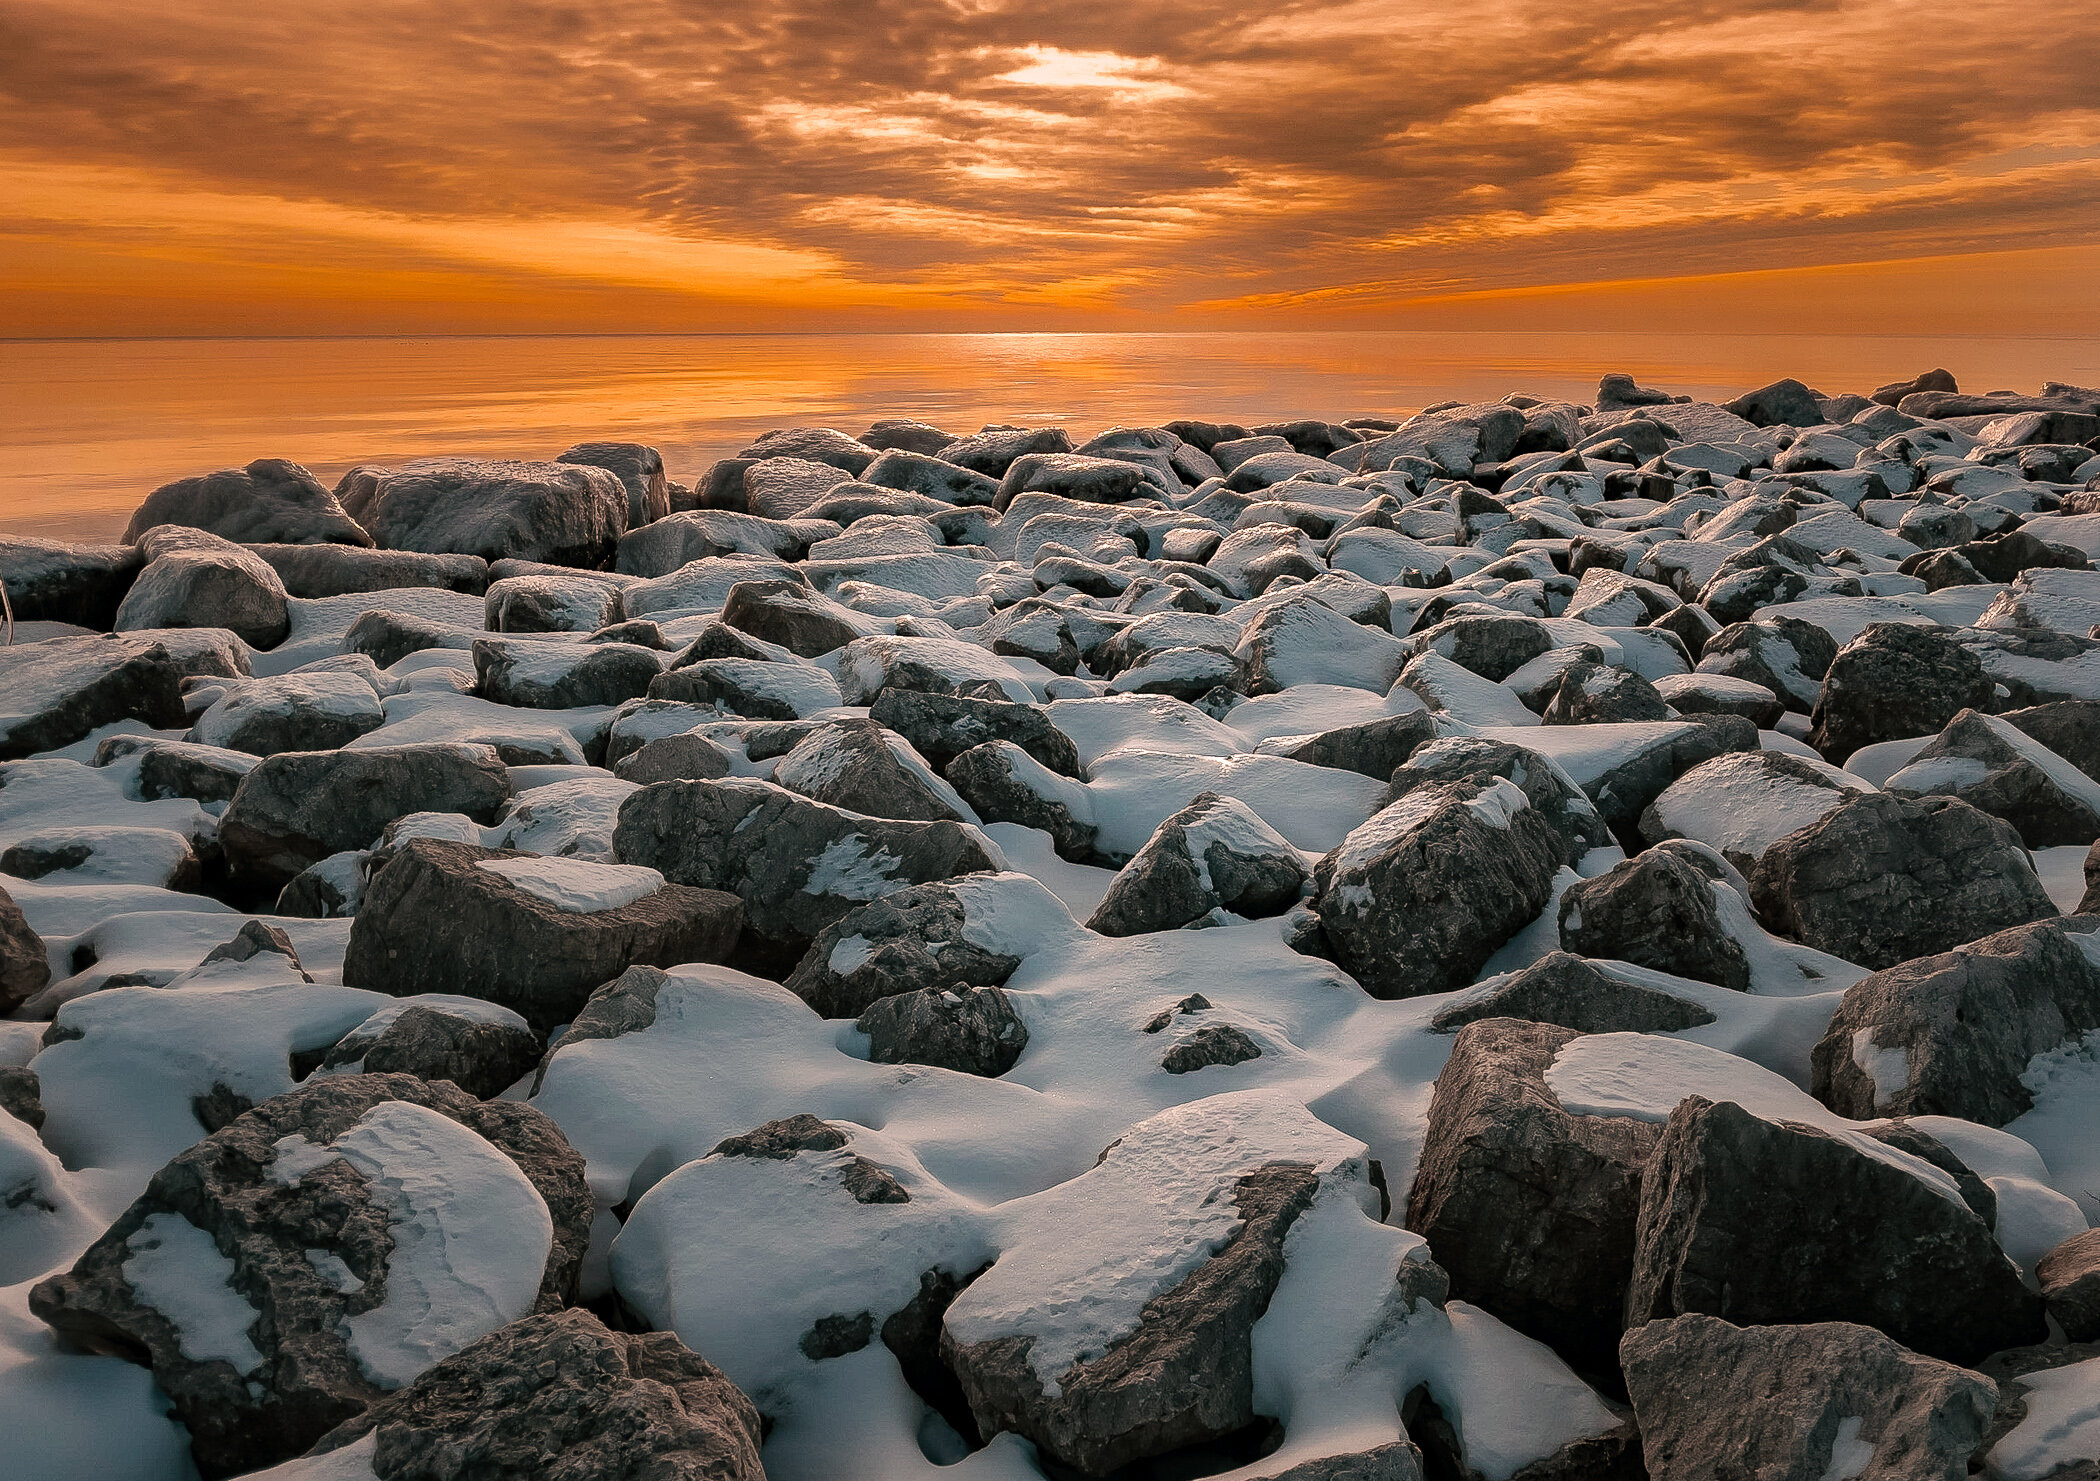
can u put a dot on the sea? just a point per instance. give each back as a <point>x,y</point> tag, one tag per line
<point>89,427</point>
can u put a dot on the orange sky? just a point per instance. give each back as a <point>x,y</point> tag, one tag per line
<point>382,166</point>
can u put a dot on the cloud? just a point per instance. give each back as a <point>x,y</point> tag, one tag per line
<point>1144,161</point>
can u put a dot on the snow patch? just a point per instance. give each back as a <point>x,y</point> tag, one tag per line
<point>578,886</point>
<point>177,1269</point>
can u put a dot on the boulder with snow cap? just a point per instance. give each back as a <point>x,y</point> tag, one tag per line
<point>299,807</point>
<point>24,966</point>
<point>58,691</point>
<point>1593,693</point>
<point>790,614</point>
<point>1895,680</point>
<point>1782,654</point>
<point>1560,988</point>
<point>758,689</point>
<point>1763,1222</point>
<point>1746,801</point>
<point>1303,641</point>
<point>1419,897</point>
<point>546,603</point>
<point>1467,758</point>
<point>1991,764</point>
<point>270,501</point>
<point>320,711</point>
<point>1821,1399</point>
<point>862,767</point>
<point>1492,647</point>
<point>481,1048</point>
<point>1004,784</point>
<point>798,865</point>
<point>530,933</point>
<point>565,514</point>
<point>1953,1034</point>
<point>1372,748</point>
<point>933,665</point>
<point>974,1030</point>
<point>1213,854</point>
<point>941,727</point>
<point>1717,694</point>
<point>913,938</point>
<point>640,469</point>
<point>60,581</point>
<point>324,1248</point>
<point>1880,879</point>
<point>562,676</point>
<point>1655,911</point>
<point>675,758</point>
<point>194,579</point>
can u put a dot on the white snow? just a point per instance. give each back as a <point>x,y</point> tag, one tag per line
<point>1887,1067</point>
<point>578,886</point>
<point>1849,1454</point>
<point>177,1270</point>
<point>849,868</point>
<point>2062,1423</point>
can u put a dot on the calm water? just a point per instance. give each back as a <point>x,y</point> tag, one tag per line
<point>89,427</point>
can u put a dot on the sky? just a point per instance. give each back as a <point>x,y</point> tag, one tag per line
<point>377,167</point>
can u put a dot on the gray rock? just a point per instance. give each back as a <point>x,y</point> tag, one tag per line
<point>755,688</point>
<point>1398,1461</point>
<point>993,451</point>
<point>1784,654</point>
<point>1895,680</point>
<point>332,889</point>
<point>1375,748</point>
<point>193,579</point>
<point>1952,1034</point>
<point>797,864</point>
<point>56,581</point>
<point>1990,764</point>
<point>1492,647</point>
<point>434,919</point>
<point>234,1198</point>
<point>1784,403</point>
<point>386,637</point>
<point>316,711</point>
<point>483,1056</point>
<point>1880,879</point>
<point>786,487</point>
<point>1465,758</point>
<point>907,433</point>
<point>667,546</point>
<point>314,571</point>
<point>1716,1400</point>
<point>1565,990</point>
<point>1419,897</point>
<point>1004,784</point>
<point>175,865</point>
<point>861,767</point>
<point>917,473</point>
<point>1212,1043</point>
<point>905,941</point>
<point>271,501</point>
<point>2010,1370</point>
<point>675,758</point>
<point>971,1029</point>
<point>2068,727</point>
<point>1216,853</point>
<point>542,603</point>
<point>1593,693</point>
<point>1654,911</point>
<point>814,444</point>
<point>1529,1209</point>
<point>1035,629</point>
<point>21,1095</point>
<point>2069,1276</point>
<point>560,513</point>
<point>296,809</point>
<point>1763,1223</point>
<point>24,966</point>
<point>941,727</point>
<point>559,1394</point>
<point>562,676</point>
<point>58,691</point>
<point>639,468</point>
<point>789,614</point>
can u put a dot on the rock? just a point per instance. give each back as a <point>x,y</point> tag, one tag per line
<point>2069,1276</point>
<point>1784,403</point>
<point>562,676</point>
<point>910,939</point>
<point>550,604</point>
<point>1529,1209</point>
<point>1492,647</point>
<point>1004,784</point>
<point>1654,911</point>
<point>271,501</point>
<point>1744,802</point>
<point>816,445</point>
<point>993,451</point>
<point>323,1248</point>
<point>483,1051</point>
<point>756,688</point>
<point>1213,1043</point>
<point>1764,1223</point>
<point>789,614</point>
<point>177,768</point>
<point>971,1029</point>
<point>295,809</point>
<point>904,432</point>
<point>941,727</point>
<point>1895,680</point>
<point>315,571</point>
<point>675,758</point>
<point>319,711</point>
<point>54,581</point>
<point>532,934</point>
<point>1782,654</point>
<point>1618,392</point>
<point>1991,764</point>
<point>1419,897</point>
<point>193,579</point>
<point>913,471</point>
<point>861,767</point>
<point>1932,380</point>
<point>1716,694</point>
<point>59,691</point>
<point>1828,1398</point>
<point>1465,758</point>
<point>1952,1034</point>
<point>2041,1395</point>
<point>639,468</point>
<point>2068,727</point>
<point>1566,990</point>
<point>24,966</point>
<point>798,865</point>
<point>1374,748</point>
<point>668,546</point>
<point>21,1095</point>
<point>556,1393</point>
<point>1302,641</point>
<point>930,665</point>
<point>564,514</point>
<point>386,637</point>
<point>1216,853</point>
<point>1880,879</point>
<point>1592,693</point>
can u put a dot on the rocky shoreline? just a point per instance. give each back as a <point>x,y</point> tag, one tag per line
<point>1520,940</point>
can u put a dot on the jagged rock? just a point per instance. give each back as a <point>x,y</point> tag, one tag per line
<point>57,581</point>
<point>1880,879</point>
<point>941,727</point>
<point>2069,1276</point>
<point>1829,1398</point>
<point>971,1029</point>
<point>1531,1210</point>
<point>193,579</point>
<point>561,513</point>
<point>906,940</point>
<point>24,966</point>
<point>1952,1034</point>
<point>1654,911</point>
<point>58,691</point>
<point>1991,764</point>
<point>859,766</point>
<point>562,676</point>
<point>1895,680</point>
<point>797,864</point>
<point>1551,791</point>
<point>533,934</point>
<point>1782,654</point>
<point>296,809</point>
<point>1763,1223</point>
<point>1566,990</point>
<point>481,1049</point>
<point>270,501</point>
<point>1215,853</point>
<point>1590,693</point>
<point>278,1276</point>
<point>639,468</point>
<point>1212,1043</point>
<point>1004,784</point>
<point>1416,899</point>
<point>789,614</point>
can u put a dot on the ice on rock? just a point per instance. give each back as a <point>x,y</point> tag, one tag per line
<point>177,1268</point>
<point>578,886</point>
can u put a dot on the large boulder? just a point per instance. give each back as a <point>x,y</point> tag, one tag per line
<point>1469,758</point>
<point>1214,854</point>
<point>1880,879</point>
<point>314,571</point>
<point>299,807</point>
<point>324,1248</point>
<point>272,501</point>
<point>562,676</point>
<point>58,691</point>
<point>941,727</point>
<point>1992,764</point>
<point>1564,989</point>
<point>177,768</point>
<point>789,614</point>
<point>911,939</point>
<point>1654,911</point>
<point>797,864</point>
<point>1742,803</point>
<point>1372,748</point>
<point>640,469</point>
<point>565,514</point>
<point>1952,1034</point>
<point>24,967</point>
<point>322,710</point>
<point>1823,1399</point>
<point>1303,641</point>
<point>533,934</point>
<point>480,1047</point>
<point>1530,1209</point>
<point>1761,1222</point>
<point>550,602</point>
<point>1783,654</point>
<point>1419,897</point>
<point>862,767</point>
<point>193,579</point>
<point>1005,784</point>
<point>756,688</point>
<point>931,665</point>
<point>57,581</point>
<point>1893,681</point>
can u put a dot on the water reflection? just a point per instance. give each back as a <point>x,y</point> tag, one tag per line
<point>91,426</point>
